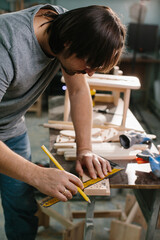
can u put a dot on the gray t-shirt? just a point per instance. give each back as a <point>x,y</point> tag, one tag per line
<point>25,70</point>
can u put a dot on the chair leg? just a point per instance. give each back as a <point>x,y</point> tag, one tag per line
<point>66,106</point>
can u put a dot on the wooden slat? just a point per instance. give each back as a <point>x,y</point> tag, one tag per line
<point>99,214</point>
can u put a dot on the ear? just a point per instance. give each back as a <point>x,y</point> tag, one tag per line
<point>67,45</point>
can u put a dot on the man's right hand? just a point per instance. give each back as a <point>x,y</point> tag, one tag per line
<point>56,183</point>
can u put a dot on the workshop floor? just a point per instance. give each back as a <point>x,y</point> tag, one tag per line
<point>38,136</point>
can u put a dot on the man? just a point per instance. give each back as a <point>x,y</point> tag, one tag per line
<point>34,43</point>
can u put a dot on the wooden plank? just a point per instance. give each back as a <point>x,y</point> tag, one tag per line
<point>64,145</point>
<point>99,214</point>
<point>99,189</point>
<point>58,126</point>
<point>113,81</point>
<point>76,232</point>
<point>139,218</point>
<point>121,231</point>
<point>52,213</point>
<point>103,98</point>
<point>125,230</point>
<point>68,125</point>
<point>111,151</point>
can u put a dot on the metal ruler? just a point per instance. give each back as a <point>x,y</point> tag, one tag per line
<point>49,201</point>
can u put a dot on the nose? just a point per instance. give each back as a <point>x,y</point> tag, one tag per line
<point>90,72</point>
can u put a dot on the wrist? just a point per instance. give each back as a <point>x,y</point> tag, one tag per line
<point>83,151</point>
<point>34,173</point>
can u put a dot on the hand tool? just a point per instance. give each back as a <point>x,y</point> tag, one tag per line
<point>129,139</point>
<point>61,168</point>
<point>49,201</point>
<point>153,159</point>
<point>105,111</point>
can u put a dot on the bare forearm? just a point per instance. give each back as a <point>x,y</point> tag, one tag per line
<point>81,113</point>
<point>50,181</point>
<point>15,166</point>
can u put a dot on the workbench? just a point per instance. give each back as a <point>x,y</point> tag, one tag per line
<point>145,186</point>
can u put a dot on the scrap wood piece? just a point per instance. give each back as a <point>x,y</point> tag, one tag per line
<point>68,133</point>
<point>64,145</point>
<point>98,189</point>
<point>95,132</point>
<point>111,151</point>
<point>58,126</point>
<point>110,134</point>
<point>63,139</point>
<point>61,151</point>
<point>60,122</point>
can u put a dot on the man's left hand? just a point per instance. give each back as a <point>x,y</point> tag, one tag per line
<point>96,165</point>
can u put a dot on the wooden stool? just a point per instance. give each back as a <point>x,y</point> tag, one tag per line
<point>106,82</point>
<point>72,230</point>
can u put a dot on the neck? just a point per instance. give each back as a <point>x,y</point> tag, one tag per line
<point>42,35</point>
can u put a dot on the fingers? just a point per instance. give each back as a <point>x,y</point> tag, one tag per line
<point>74,182</point>
<point>61,197</point>
<point>97,166</point>
<point>108,166</point>
<point>69,187</point>
<point>57,183</point>
<point>79,168</point>
<point>66,193</point>
<point>90,166</point>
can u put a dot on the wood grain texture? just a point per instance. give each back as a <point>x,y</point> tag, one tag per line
<point>98,189</point>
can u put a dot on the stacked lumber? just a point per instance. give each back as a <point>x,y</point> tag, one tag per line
<point>105,142</point>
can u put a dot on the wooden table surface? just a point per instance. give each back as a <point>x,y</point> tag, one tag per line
<point>132,176</point>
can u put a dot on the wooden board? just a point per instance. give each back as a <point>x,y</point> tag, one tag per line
<point>111,151</point>
<point>121,231</point>
<point>60,125</point>
<point>98,189</point>
<point>113,81</point>
<point>125,230</point>
<point>139,218</point>
<point>76,232</point>
<point>71,133</point>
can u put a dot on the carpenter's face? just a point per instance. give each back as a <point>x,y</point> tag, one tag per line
<point>73,65</point>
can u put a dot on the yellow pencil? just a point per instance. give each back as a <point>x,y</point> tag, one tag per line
<point>61,168</point>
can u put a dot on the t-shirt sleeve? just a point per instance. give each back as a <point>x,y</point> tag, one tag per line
<point>6,71</point>
<point>59,9</point>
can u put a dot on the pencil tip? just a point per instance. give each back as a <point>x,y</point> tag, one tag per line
<point>89,201</point>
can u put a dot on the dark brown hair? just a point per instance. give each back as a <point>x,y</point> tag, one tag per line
<point>94,33</point>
